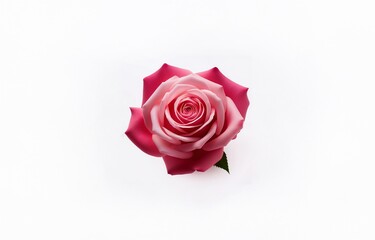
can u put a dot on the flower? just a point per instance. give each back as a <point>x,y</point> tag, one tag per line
<point>188,118</point>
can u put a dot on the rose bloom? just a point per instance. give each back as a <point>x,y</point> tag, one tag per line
<point>187,118</point>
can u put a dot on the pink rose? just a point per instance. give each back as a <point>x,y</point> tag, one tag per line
<point>188,118</point>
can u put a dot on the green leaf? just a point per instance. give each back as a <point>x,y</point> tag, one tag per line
<point>223,163</point>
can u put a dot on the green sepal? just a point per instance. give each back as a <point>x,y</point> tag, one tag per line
<point>223,163</point>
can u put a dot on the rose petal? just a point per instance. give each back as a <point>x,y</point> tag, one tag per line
<point>169,96</point>
<point>200,161</point>
<point>180,137</point>
<point>203,83</point>
<point>209,120</point>
<point>152,82</point>
<point>218,104</point>
<point>207,105</point>
<point>233,90</point>
<point>156,98</point>
<point>188,108</point>
<point>158,129</point>
<point>184,127</point>
<point>140,135</point>
<point>234,122</point>
<point>167,148</point>
<point>188,147</point>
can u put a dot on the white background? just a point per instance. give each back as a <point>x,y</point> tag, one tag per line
<point>302,167</point>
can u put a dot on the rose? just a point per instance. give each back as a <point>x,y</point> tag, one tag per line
<point>188,118</point>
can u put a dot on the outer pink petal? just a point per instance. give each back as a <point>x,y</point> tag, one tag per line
<point>139,134</point>
<point>150,83</point>
<point>201,161</point>
<point>233,90</point>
